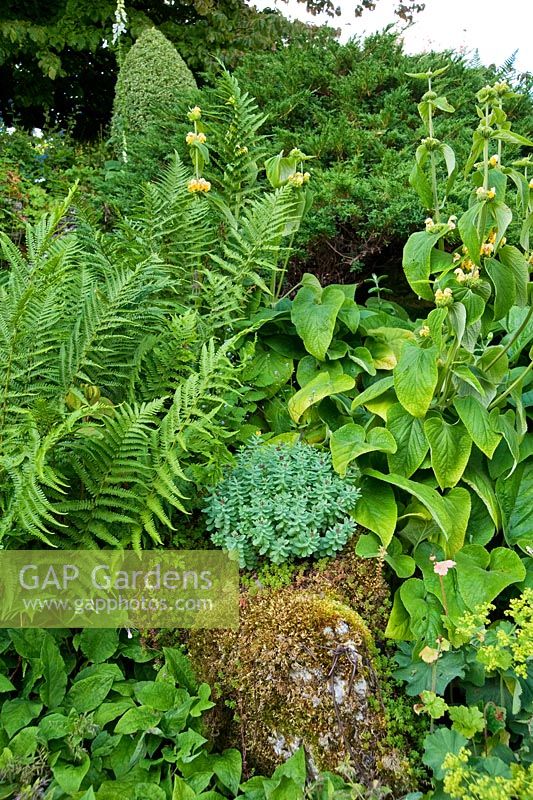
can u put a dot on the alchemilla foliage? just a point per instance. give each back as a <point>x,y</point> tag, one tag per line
<point>279,502</point>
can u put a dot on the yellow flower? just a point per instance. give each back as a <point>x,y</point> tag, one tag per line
<point>531,183</point>
<point>494,160</point>
<point>486,194</point>
<point>452,222</point>
<point>468,264</point>
<point>443,297</point>
<point>456,257</point>
<point>193,137</point>
<point>428,222</point>
<point>198,185</point>
<point>424,331</point>
<point>460,276</point>
<point>194,114</point>
<point>492,236</point>
<point>486,249</point>
<point>429,655</point>
<point>296,179</point>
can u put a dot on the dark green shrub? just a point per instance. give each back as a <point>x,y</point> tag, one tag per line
<point>152,79</point>
<point>354,108</point>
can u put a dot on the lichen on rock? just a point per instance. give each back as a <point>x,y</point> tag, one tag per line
<point>299,671</point>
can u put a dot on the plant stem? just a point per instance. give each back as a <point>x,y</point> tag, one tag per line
<point>512,340</point>
<point>515,383</point>
<point>443,592</point>
<point>433,164</point>
<point>277,290</point>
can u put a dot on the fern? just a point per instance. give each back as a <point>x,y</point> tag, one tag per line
<point>119,376</point>
<point>132,476</point>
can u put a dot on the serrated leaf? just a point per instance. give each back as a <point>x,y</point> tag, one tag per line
<point>98,644</point>
<point>417,261</point>
<point>53,689</point>
<point>479,423</point>
<point>450,447</point>
<point>314,314</point>
<point>503,281</point>
<point>413,445</point>
<point>415,378</point>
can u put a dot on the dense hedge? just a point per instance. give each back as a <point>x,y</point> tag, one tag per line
<point>151,80</point>
<point>354,107</point>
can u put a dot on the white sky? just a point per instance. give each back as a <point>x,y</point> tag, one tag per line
<point>496,28</point>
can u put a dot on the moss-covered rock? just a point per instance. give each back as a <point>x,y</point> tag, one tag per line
<point>300,670</point>
<point>152,78</point>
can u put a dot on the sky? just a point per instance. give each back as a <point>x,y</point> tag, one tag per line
<point>495,28</point>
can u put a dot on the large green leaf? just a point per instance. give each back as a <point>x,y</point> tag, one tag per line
<point>429,498</point>
<point>314,313</point>
<point>450,447</point>
<point>475,475</point>
<point>159,695</point>
<point>415,378</point>
<point>469,232</point>
<point>371,392</point>
<point>351,441</point>
<point>87,694</point>
<point>410,438</point>
<point>376,509</point>
<point>514,260</point>
<point>70,776</point>
<point>438,745</point>
<point>424,610</point>
<point>458,505</point>
<point>503,280</point>
<point>323,385</point>
<point>18,713</point>
<point>420,676</point>
<point>268,368</point>
<point>482,576</point>
<point>515,496</point>
<point>479,423</point>
<point>53,689</point>
<point>98,644</point>
<point>399,622</point>
<point>138,719</point>
<point>417,261</point>
<point>227,766</point>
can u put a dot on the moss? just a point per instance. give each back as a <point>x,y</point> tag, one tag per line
<point>357,582</point>
<point>152,78</point>
<point>300,669</point>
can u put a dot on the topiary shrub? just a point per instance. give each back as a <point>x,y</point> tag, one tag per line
<point>300,671</point>
<point>281,501</point>
<point>152,78</point>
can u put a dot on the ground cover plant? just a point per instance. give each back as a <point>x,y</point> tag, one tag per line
<point>165,382</point>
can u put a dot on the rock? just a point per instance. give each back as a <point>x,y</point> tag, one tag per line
<point>300,670</point>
